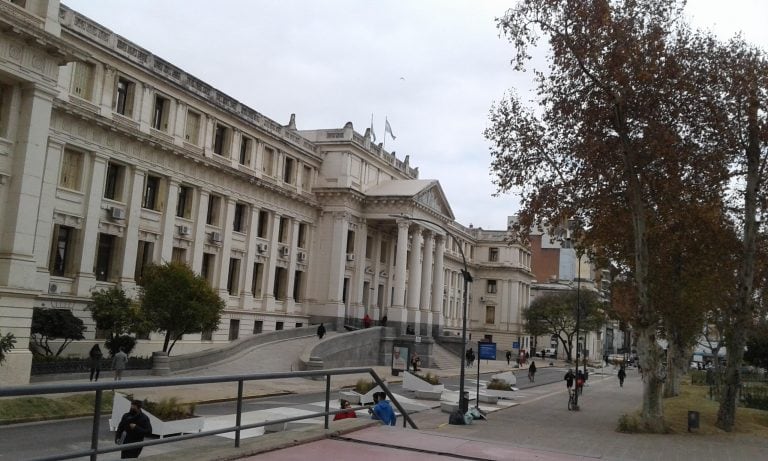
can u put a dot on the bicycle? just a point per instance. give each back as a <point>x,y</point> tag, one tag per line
<point>571,399</point>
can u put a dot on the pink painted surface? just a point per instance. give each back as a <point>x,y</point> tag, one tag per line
<point>344,450</point>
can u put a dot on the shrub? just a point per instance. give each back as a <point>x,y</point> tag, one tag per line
<point>125,341</point>
<point>429,377</point>
<point>633,424</point>
<point>170,409</point>
<point>7,343</point>
<point>755,397</point>
<point>499,385</point>
<point>362,386</point>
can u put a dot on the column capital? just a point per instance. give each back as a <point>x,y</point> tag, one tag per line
<point>403,224</point>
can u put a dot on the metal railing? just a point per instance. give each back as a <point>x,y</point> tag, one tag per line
<point>99,388</point>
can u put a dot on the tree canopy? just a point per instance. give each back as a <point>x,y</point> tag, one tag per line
<point>53,324</point>
<point>176,301</point>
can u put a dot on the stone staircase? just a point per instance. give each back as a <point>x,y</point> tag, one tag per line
<point>442,358</point>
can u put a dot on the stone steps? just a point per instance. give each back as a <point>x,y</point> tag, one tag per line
<point>443,359</point>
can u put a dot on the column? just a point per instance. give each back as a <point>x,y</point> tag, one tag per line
<point>199,242</point>
<point>358,276</point>
<point>375,312</point>
<point>131,232</point>
<point>397,313</point>
<point>90,230</point>
<point>45,214</point>
<point>426,285</point>
<point>289,301</point>
<point>146,105</point>
<point>169,221</point>
<point>414,278</point>
<point>226,248</point>
<point>449,297</point>
<point>108,91</point>
<point>250,258</point>
<point>438,285</point>
<point>269,290</point>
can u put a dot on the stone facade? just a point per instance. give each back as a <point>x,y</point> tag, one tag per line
<point>112,158</point>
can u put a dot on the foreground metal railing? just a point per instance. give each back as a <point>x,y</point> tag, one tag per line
<point>99,388</point>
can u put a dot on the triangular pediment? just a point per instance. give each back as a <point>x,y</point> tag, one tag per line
<point>433,198</point>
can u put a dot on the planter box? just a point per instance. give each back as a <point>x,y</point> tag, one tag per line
<point>448,407</point>
<point>488,398</point>
<point>507,376</point>
<point>414,383</point>
<point>121,405</point>
<point>508,395</point>
<point>350,396</point>
<point>429,395</point>
<point>367,399</point>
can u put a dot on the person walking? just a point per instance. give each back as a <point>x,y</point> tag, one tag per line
<point>321,331</point>
<point>415,362</point>
<point>133,427</point>
<point>569,378</point>
<point>367,321</point>
<point>95,356</point>
<point>509,357</point>
<point>470,356</point>
<point>622,376</point>
<point>532,372</point>
<point>118,363</point>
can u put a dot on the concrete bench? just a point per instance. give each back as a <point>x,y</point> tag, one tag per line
<point>429,395</point>
<point>485,398</point>
<point>350,396</point>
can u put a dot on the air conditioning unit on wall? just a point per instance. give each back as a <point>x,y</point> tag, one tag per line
<point>184,230</point>
<point>301,256</point>
<point>117,213</point>
<point>216,237</point>
<point>285,251</point>
<point>261,247</point>
<point>350,257</point>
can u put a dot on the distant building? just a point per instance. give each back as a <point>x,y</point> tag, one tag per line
<point>112,159</point>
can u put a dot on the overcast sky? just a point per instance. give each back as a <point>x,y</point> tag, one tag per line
<point>433,68</point>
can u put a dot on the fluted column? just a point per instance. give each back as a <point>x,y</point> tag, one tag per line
<point>414,278</point>
<point>438,285</point>
<point>426,285</point>
<point>397,313</point>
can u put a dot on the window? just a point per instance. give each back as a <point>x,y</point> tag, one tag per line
<point>160,114</point>
<point>281,280</point>
<point>6,96</point>
<point>184,204</point>
<point>124,100</point>
<point>192,131</point>
<point>233,276</point>
<point>306,178</point>
<point>288,171</point>
<point>221,136</point>
<point>104,256</point>
<point>179,255</point>
<point>206,271</point>
<point>234,329</point>
<point>383,252</point>
<point>71,169</point>
<point>21,3</point>
<point>151,193</point>
<point>113,188</point>
<point>62,250</point>
<point>258,274</point>
<point>82,80</point>
<point>238,223</point>
<point>493,254</point>
<point>269,159</point>
<point>297,282</point>
<point>258,326</point>
<point>143,259</point>
<point>490,314</point>
<point>282,230</point>
<point>368,247</point>
<point>214,210</point>
<point>299,324</point>
<point>279,326</point>
<point>350,241</point>
<point>245,150</point>
<point>263,223</point>
<point>491,286</point>
<point>302,240</point>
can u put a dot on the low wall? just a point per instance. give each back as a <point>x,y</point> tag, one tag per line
<point>452,343</point>
<point>354,348</point>
<point>208,356</point>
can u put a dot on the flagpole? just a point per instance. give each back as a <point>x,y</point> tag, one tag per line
<point>384,142</point>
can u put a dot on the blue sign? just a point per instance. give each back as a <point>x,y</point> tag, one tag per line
<point>486,351</point>
<point>516,345</point>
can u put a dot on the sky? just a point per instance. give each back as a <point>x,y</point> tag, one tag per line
<point>432,68</point>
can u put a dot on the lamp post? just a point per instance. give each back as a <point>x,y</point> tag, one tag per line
<point>463,402</point>
<point>578,318</point>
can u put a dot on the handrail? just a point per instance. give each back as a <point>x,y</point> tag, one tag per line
<point>98,388</point>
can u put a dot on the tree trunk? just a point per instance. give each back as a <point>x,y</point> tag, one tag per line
<point>677,361</point>
<point>649,354</point>
<point>167,340</point>
<point>736,339</point>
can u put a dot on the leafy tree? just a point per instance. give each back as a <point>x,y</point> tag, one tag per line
<point>178,302</point>
<point>555,314</point>
<point>618,137</point>
<point>757,346</point>
<point>124,342</point>
<point>52,324</point>
<point>7,343</point>
<point>114,312</point>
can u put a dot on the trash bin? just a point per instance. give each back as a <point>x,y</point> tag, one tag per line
<point>693,420</point>
<point>464,403</point>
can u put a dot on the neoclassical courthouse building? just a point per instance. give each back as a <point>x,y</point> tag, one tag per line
<point>112,158</point>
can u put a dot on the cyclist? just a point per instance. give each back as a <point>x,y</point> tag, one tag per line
<point>569,377</point>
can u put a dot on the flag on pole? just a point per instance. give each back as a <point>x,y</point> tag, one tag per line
<point>373,133</point>
<point>388,129</point>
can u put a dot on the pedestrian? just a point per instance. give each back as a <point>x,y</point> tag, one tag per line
<point>579,381</point>
<point>382,410</point>
<point>367,321</point>
<point>622,375</point>
<point>532,372</point>
<point>509,357</point>
<point>384,321</point>
<point>569,378</point>
<point>415,362</point>
<point>95,356</point>
<point>133,427</point>
<point>321,331</point>
<point>345,405</point>
<point>470,356</point>
<point>118,363</point>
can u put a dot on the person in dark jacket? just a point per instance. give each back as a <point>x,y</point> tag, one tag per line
<point>95,356</point>
<point>321,331</point>
<point>509,357</point>
<point>569,378</point>
<point>622,375</point>
<point>532,372</point>
<point>470,356</point>
<point>133,427</point>
<point>382,410</point>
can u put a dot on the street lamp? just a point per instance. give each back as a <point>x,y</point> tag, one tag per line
<point>463,402</point>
